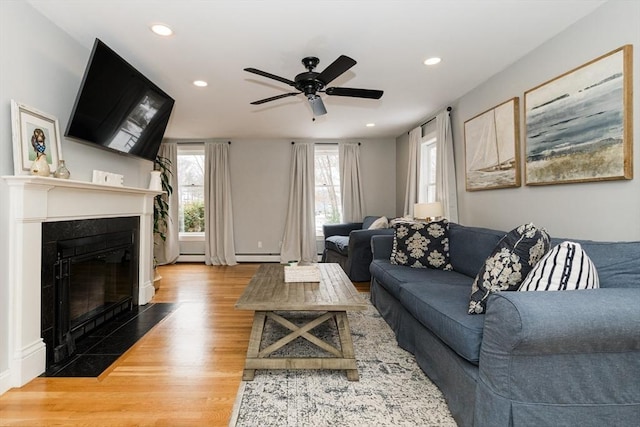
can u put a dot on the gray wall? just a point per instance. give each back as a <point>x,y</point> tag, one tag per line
<point>260,189</point>
<point>600,210</point>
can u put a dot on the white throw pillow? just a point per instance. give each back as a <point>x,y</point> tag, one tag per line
<point>379,223</point>
<point>564,267</point>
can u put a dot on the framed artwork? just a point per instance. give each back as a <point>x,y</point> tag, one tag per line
<point>34,133</point>
<point>578,125</point>
<point>492,148</point>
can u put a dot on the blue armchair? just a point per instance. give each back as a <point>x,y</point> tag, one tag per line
<point>349,245</point>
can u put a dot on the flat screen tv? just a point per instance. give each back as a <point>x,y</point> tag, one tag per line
<point>117,108</point>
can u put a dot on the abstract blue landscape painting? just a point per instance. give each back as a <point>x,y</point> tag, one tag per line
<point>578,125</point>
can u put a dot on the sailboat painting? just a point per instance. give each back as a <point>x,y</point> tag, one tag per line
<point>579,125</point>
<point>492,149</point>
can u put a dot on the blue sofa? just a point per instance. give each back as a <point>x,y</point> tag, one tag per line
<point>565,358</point>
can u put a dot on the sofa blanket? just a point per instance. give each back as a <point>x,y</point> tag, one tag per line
<point>534,358</point>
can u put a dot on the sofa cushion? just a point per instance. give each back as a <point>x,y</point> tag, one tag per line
<point>442,309</point>
<point>469,247</point>
<point>421,244</point>
<point>509,263</point>
<point>565,267</point>
<point>338,244</point>
<point>392,276</point>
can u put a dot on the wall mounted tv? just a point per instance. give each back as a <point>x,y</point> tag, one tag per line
<point>117,108</point>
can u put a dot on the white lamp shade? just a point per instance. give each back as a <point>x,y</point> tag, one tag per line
<point>427,210</point>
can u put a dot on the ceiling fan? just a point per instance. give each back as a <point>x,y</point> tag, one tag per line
<point>311,83</point>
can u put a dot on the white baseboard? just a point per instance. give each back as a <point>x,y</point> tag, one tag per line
<point>190,258</point>
<point>5,381</point>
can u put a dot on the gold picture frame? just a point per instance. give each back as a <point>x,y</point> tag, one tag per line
<point>29,127</point>
<point>579,124</point>
<point>492,148</point>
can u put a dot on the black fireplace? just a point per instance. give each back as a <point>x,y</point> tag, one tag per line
<point>89,276</point>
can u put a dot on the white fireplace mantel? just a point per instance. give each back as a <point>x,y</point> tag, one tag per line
<point>34,200</point>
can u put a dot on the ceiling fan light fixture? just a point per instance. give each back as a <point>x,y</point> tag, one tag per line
<point>432,61</point>
<point>162,30</point>
<point>317,106</point>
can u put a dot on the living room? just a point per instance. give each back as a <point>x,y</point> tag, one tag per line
<point>41,65</point>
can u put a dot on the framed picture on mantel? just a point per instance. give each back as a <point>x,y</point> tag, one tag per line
<point>34,134</point>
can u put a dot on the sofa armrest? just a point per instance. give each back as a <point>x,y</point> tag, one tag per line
<point>340,229</point>
<point>571,347</point>
<point>360,240</point>
<point>382,246</point>
<point>357,266</point>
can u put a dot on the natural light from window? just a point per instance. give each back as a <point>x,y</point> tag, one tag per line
<point>427,179</point>
<point>328,206</point>
<point>191,190</point>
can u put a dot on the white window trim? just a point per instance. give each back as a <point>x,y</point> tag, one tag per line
<point>196,236</point>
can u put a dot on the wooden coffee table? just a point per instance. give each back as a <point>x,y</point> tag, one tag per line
<point>332,297</point>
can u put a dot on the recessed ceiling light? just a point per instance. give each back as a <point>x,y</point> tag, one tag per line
<point>370,125</point>
<point>200,83</point>
<point>161,30</point>
<point>432,61</point>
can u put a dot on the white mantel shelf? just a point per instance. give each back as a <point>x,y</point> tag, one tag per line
<point>70,183</point>
<point>34,200</point>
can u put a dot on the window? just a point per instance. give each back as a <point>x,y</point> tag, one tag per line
<point>427,174</point>
<point>328,207</point>
<point>191,190</point>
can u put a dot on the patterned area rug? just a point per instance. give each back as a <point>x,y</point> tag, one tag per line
<point>392,391</point>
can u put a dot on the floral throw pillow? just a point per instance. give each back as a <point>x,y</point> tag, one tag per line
<point>421,244</point>
<point>512,259</point>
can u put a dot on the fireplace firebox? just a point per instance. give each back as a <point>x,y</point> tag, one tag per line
<point>89,276</point>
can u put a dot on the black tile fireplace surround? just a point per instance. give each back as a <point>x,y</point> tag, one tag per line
<point>89,276</point>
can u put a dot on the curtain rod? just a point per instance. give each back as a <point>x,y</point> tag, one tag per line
<point>432,119</point>
<point>194,142</point>
<point>324,143</point>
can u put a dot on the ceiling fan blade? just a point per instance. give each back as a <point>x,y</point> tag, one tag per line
<point>337,67</point>
<point>317,106</point>
<point>273,98</point>
<point>270,76</point>
<point>356,93</point>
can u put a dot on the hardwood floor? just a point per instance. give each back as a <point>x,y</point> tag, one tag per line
<point>184,372</point>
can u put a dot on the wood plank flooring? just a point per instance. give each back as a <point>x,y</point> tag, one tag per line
<point>184,372</point>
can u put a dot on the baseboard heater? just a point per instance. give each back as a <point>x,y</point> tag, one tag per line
<point>239,258</point>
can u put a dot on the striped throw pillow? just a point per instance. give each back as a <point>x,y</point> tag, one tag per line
<point>565,267</point>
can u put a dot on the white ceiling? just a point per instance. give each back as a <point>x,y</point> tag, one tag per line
<point>216,40</point>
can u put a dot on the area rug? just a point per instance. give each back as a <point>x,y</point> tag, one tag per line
<point>392,391</point>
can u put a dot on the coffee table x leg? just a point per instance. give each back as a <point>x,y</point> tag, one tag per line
<point>344,358</point>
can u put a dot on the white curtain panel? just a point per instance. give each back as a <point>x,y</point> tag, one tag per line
<point>299,240</point>
<point>411,194</point>
<point>446,189</point>
<point>351,182</point>
<point>219,248</point>
<point>167,251</point>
